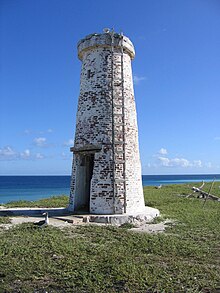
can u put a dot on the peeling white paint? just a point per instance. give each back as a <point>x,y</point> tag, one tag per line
<point>94,126</point>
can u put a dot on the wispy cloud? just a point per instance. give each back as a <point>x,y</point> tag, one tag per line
<point>27,131</point>
<point>25,154</point>
<point>208,165</point>
<point>39,156</point>
<point>69,142</point>
<point>40,141</point>
<point>163,151</point>
<point>217,138</point>
<point>137,79</point>
<point>179,162</point>
<point>162,159</point>
<point>7,153</point>
<point>66,156</point>
<point>37,132</point>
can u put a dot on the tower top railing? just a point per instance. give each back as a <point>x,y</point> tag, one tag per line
<point>105,40</point>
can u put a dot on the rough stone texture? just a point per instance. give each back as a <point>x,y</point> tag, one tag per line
<point>147,215</point>
<point>94,129</point>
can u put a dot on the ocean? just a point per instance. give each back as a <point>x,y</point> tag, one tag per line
<point>13,188</point>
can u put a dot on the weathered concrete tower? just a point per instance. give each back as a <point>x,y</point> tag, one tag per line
<point>106,171</point>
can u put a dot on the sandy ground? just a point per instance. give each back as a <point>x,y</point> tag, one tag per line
<point>152,228</point>
<point>70,221</point>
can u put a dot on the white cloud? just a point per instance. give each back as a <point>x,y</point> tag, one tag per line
<point>163,151</point>
<point>179,162</point>
<point>137,79</point>
<point>39,156</point>
<point>164,161</point>
<point>209,165</point>
<point>7,153</point>
<point>197,163</point>
<point>25,154</point>
<point>49,130</point>
<point>217,138</point>
<point>40,141</point>
<point>70,142</point>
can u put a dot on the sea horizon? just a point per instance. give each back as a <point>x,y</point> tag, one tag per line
<point>34,187</point>
<point>170,174</point>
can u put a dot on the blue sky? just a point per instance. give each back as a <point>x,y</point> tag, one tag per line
<point>176,75</point>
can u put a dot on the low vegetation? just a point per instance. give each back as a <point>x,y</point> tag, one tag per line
<point>91,258</point>
<point>4,220</point>
<point>52,202</point>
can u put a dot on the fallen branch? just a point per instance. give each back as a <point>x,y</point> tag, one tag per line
<point>203,183</point>
<point>203,194</point>
<point>208,195</point>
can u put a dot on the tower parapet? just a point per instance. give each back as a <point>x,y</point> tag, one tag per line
<point>105,41</point>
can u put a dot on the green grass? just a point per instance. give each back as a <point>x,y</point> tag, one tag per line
<point>52,202</point>
<point>108,259</point>
<point>5,220</point>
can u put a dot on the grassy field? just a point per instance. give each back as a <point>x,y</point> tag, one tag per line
<point>109,259</point>
<point>52,202</point>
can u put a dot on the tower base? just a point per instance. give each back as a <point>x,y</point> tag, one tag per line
<point>146,216</point>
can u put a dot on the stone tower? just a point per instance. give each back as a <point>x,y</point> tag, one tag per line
<point>106,170</point>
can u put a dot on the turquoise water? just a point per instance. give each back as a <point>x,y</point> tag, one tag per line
<point>13,188</point>
<point>177,179</point>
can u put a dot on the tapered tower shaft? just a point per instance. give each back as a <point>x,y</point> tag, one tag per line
<point>106,172</point>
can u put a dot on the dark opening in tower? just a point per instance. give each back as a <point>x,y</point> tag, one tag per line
<point>84,175</point>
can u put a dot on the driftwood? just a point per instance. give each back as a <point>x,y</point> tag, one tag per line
<point>196,189</point>
<point>204,194</point>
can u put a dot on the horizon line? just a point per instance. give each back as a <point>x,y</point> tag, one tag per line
<point>171,174</point>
